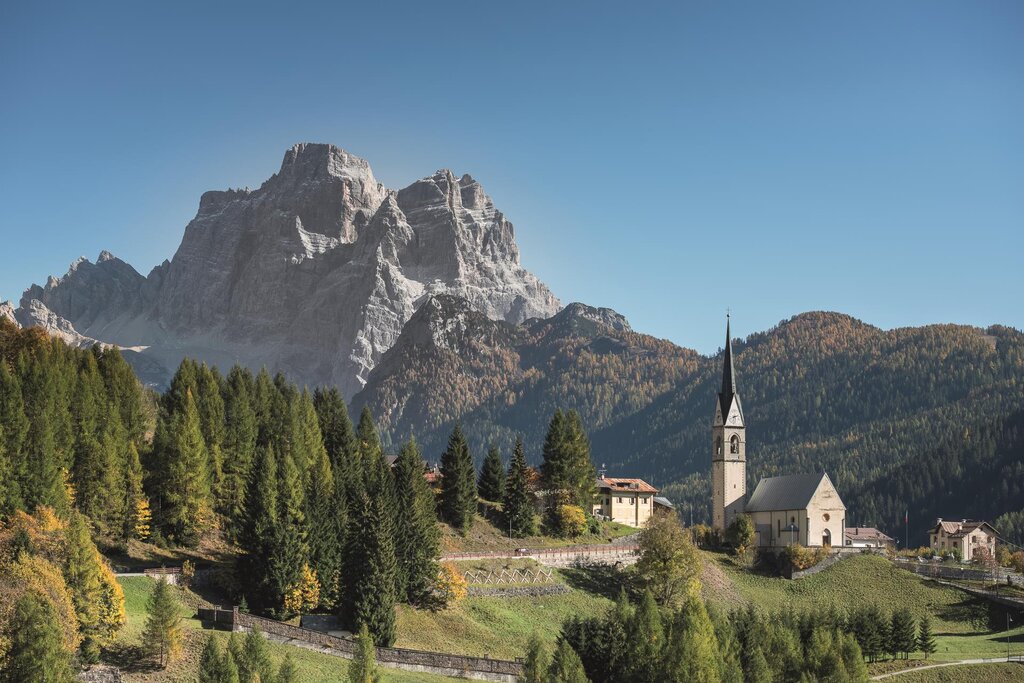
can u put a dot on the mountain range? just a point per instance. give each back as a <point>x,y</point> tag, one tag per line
<point>415,304</point>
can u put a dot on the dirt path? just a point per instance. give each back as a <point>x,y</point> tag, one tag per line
<point>1001,660</point>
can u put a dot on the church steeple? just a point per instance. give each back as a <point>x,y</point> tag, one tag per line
<point>729,447</point>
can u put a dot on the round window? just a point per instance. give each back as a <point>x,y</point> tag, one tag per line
<point>826,517</point>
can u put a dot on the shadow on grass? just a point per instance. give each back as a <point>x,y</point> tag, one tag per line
<point>604,580</point>
<point>129,658</point>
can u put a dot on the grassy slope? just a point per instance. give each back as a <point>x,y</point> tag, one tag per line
<point>484,536</point>
<point>870,580</point>
<point>1004,673</point>
<point>313,666</point>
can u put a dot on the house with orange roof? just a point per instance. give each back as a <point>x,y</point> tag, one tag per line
<point>627,501</point>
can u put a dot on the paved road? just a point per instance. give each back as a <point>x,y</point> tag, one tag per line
<point>1001,660</point>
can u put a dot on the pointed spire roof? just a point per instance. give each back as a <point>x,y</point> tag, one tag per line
<point>728,392</point>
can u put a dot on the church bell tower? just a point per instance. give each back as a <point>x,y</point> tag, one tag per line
<point>729,447</point>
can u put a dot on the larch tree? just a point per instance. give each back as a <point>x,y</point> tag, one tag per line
<point>363,667</point>
<point>289,552</point>
<point>517,501</point>
<point>417,540</point>
<point>338,433</point>
<point>458,483</point>
<point>15,425</point>
<point>566,666</point>
<point>693,653</point>
<point>35,651</point>
<point>537,662</point>
<point>185,502</point>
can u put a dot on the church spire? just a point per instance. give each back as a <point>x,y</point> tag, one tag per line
<point>728,395</point>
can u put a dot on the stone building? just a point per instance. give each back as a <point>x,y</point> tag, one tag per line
<point>796,508</point>
<point>627,501</point>
<point>964,536</point>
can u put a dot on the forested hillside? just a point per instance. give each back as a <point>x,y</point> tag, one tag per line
<point>924,419</point>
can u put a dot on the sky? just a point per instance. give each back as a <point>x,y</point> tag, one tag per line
<point>667,160</point>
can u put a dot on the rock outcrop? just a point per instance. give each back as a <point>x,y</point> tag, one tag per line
<point>314,274</point>
<point>7,312</point>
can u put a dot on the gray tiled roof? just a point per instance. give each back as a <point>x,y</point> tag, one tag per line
<point>791,492</point>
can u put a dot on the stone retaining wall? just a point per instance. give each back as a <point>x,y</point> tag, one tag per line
<point>528,591</point>
<point>478,668</point>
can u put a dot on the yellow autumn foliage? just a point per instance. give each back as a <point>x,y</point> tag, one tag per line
<point>451,584</point>
<point>305,594</point>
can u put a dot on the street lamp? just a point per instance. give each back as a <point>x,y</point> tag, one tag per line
<point>1008,620</point>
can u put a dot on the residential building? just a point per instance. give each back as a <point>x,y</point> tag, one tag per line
<point>627,501</point>
<point>867,537</point>
<point>963,537</point>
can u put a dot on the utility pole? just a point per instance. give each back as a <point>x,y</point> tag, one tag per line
<point>1008,620</point>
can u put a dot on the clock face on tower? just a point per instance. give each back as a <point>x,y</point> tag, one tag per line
<point>734,419</point>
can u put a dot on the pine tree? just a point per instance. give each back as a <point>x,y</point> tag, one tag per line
<point>373,587</point>
<point>288,673</point>
<point>536,663</point>
<point>417,540</point>
<point>492,477</point>
<point>259,525</point>
<point>289,552</point>
<point>338,434</point>
<point>363,667</point>
<point>693,654</point>
<point>517,503</point>
<point>239,449</point>
<point>35,651</point>
<point>566,666</point>
<point>321,511</point>
<point>567,470</point>
<point>185,485</point>
<point>458,483</point>
<point>162,637</point>
<point>925,639</point>
<point>254,662</point>
<point>901,633</point>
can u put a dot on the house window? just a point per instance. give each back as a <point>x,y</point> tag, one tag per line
<point>734,444</point>
<point>632,501</point>
<point>620,499</point>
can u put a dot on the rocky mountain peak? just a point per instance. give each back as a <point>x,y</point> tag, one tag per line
<point>576,311</point>
<point>7,312</point>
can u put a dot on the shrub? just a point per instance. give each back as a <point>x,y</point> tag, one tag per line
<point>570,520</point>
<point>801,558</point>
<point>451,585</point>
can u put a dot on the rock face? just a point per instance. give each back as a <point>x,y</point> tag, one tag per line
<point>7,312</point>
<point>314,274</point>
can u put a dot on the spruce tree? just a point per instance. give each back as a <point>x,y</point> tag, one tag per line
<point>44,473</point>
<point>458,483</point>
<point>254,663</point>
<point>901,633</point>
<point>259,525</point>
<point>729,649</point>
<point>517,502</point>
<point>211,662</point>
<point>925,639</point>
<point>373,585</point>
<point>566,666</point>
<point>568,473</point>
<point>162,637</point>
<point>693,654</point>
<point>239,447</point>
<point>134,498</point>
<point>492,477</point>
<point>321,512</point>
<point>35,651</point>
<point>15,430</point>
<point>289,551</point>
<point>338,434</point>
<point>645,635</point>
<point>211,409</point>
<point>288,673</point>
<point>536,663</point>
<point>757,669</point>
<point>185,511</point>
<point>363,667</point>
<point>417,540</point>
<point>7,480</point>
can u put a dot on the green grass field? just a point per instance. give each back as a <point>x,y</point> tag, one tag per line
<point>969,673</point>
<point>485,536</point>
<point>314,667</point>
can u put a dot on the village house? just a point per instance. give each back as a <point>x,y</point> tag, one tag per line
<point>627,501</point>
<point>963,537</point>
<point>867,537</point>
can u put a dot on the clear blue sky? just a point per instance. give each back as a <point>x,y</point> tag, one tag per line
<point>668,161</point>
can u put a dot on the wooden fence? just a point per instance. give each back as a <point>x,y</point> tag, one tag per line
<point>509,577</point>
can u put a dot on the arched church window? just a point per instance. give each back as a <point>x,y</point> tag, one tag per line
<point>734,444</point>
<point>718,446</point>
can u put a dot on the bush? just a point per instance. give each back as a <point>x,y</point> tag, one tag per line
<point>801,558</point>
<point>569,521</point>
<point>451,585</point>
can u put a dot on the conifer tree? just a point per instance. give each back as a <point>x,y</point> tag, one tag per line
<point>492,476</point>
<point>185,482</point>
<point>417,540</point>
<point>240,431</point>
<point>288,673</point>
<point>363,667</point>
<point>902,638</point>
<point>162,637</point>
<point>567,470</point>
<point>259,524</point>
<point>15,426</point>
<point>134,498</point>
<point>35,651</point>
<point>254,663</point>
<point>44,474</point>
<point>645,635</point>
<point>373,585</point>
<point>211,662</point>
<point>925,639</point>
<point>321,512</point>
<point>757,669</point>
<point>536,663</point>
<point>289,551</point>
<point>7,480</point>
<point>517,503</point>
<point>97,597</point>
<point>458,483</point>
<point>693,654</point>
<point>338,434</point>
<point>853,658</point>
<point>729,649</point>
<point>211,409</point>
<point>566,666</point>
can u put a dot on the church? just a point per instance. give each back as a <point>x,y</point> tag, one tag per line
<point>795,508</point>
